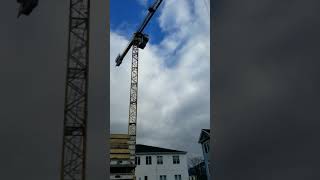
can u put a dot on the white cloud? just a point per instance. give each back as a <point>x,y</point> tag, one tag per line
<point>143,2</point>
<point>173,102</point>
<point>175,14</point>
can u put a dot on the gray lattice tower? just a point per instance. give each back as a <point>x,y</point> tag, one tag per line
<point>73,163</point>
<point>133,106</point>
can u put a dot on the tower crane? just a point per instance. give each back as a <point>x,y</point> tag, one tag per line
<point>138,40</point>
<point>73,162</point>
<point>123,146</point>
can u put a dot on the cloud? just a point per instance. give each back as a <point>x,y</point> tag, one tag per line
<point>173,101</point>
<point>143,2</point>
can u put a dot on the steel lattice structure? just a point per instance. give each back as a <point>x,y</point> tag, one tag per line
<point>133,106</point>
<point>73,162</point>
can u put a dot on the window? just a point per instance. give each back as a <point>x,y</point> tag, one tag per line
<point>148,160</point>
<point>206,147</point>
<point>137,160</point>
<point>159,160</point>
<point>177,177</point>
<point>146,178</point>
<point>176,159</point>
<point>163,177</point>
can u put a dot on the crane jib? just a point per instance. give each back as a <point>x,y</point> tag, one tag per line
<point>143,38</point>
<point>152,9</point>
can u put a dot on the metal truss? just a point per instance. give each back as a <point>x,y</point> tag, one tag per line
<point>73,161</point>
<point>133,102</point>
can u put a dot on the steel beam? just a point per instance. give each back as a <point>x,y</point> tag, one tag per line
<point>73,163</point>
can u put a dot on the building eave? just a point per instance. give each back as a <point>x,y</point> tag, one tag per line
<point>160,153</point>
<point>145,149</point>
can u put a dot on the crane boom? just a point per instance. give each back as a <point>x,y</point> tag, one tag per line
<point>152,9</point>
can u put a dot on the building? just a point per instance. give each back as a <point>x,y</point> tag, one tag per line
<point>204,140</point>
<point>198,172</point>
<point>155,163</point>
<point>121,165</point>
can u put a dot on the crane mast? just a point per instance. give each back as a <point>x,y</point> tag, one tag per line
<point>73,163</point>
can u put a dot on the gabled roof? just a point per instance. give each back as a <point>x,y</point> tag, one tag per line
<point>206,130</point>
<point>144,149</point>
<point>204,135</point>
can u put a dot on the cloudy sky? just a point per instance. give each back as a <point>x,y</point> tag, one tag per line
<point>174,82</point>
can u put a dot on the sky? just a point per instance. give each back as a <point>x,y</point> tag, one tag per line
<point>174,73</point>
<point>130,18</point>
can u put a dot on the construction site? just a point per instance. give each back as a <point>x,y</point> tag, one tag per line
<point>123,159</point>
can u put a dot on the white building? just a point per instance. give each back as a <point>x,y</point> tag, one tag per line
<point>155,163</point>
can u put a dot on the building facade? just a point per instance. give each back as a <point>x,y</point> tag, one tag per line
<point>155,163</point>
<point>121,165</point>
<point>204,140</point>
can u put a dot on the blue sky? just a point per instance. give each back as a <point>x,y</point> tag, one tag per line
<point>127,15</point>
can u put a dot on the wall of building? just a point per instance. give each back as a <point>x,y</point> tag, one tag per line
<point>206,157</point>
<point>169,169</point>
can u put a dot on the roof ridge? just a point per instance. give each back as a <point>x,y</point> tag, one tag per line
<point>148,148</point>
